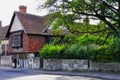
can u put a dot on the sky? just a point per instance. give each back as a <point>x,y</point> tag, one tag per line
<point>7,8</point>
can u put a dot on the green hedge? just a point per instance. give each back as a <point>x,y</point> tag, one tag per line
<point>52,51</point>
<point>75,51</point>
<point>101,53</point>
<point>114,49</point>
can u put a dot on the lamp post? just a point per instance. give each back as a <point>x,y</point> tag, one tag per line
<point>87,46</point>
<point>87,53</point>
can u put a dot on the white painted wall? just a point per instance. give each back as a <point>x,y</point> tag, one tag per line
<point>6,61</point>
<point>0,48</point>
<point>16,25</point>
<point>6,42</point>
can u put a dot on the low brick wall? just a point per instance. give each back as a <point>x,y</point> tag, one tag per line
<point>112,67</point>
<point>64,64</point>
<point>5,61</point>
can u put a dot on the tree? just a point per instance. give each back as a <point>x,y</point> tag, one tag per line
<point>107,11</point>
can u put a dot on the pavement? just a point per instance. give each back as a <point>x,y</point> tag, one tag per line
<point>101,75</point>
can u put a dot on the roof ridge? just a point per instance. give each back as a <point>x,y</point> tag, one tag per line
<point>31,14</point>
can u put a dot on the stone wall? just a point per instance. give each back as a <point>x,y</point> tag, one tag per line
<point>64,64</point>
<point>5,61</point>
<point>79,65</point>
<point>52,64</point>
<point>34,63</point>
<point>113,67</point>
<point>74,65</point>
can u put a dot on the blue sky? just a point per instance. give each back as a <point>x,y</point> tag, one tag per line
<point>7,7</point>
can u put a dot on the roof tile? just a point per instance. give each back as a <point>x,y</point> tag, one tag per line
<point>32,24</point>
<point>3,32</point>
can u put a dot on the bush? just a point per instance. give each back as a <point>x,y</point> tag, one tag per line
<point>78,51</point>
<point>70,39</point>
<point>52,51</point>
<point>86,39</point>
<point>101,54</point>
<point>91,39</point>
<point>75,51</point>
<point>114,49</point>
<point>91,51</point>
<point>84,48</point>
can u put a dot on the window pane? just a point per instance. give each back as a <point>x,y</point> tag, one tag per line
<point>16,41</point>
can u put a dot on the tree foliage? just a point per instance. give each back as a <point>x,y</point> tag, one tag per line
<point>107,11</point>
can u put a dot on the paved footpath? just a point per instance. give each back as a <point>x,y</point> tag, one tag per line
<point>101,75</point>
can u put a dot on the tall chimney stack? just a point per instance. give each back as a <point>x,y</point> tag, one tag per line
<point>22,9</point>
<point>0,23</point>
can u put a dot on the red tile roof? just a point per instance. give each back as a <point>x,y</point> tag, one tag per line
<point>32,24</point>
<point>3,32</point>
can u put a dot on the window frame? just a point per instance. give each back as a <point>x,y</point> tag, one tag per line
<point>16,41</point>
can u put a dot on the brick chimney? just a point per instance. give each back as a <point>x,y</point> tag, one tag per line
<point>0,23</point>
<point>22,9</point>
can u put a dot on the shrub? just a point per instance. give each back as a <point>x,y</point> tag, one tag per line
<point>101,54</point>
<point>83,48</point>
<point>86,39</point>
<point>91,51</point>
<point>75,51</point>
<point>70,39</point>
<point>52,51</point>
<point>91,39</point>
<point>78,51</point>
<point>114,49</point>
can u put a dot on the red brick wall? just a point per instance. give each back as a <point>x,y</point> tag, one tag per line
<point>25,42</point>
<point>9,46</point>
<point>31,43</point>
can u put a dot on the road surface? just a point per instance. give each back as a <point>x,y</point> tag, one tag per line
<point>22,74</point>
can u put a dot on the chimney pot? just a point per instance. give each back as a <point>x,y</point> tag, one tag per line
<point>22,9</point>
